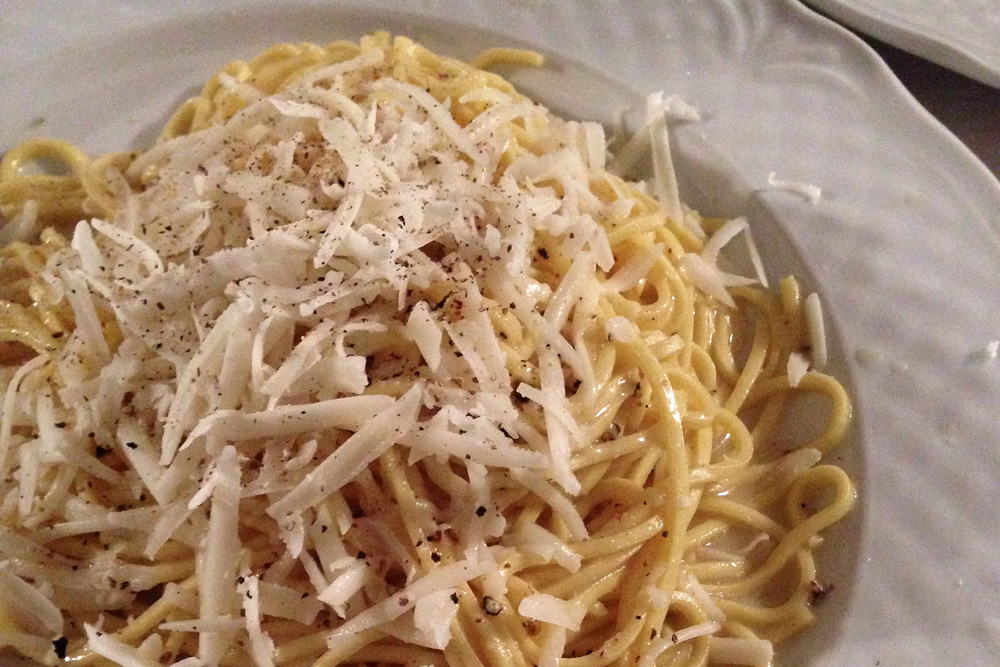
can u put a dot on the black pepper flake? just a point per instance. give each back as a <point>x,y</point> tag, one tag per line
<point>60,424</point>
<point>491,606</point>
<point>361,555</point>
<point>673,638</point>
<point>454,598</point>
<point>436,557</point>
<point>59,646</point>
<point>240,580</point>
<point>543,253</point>
<point>101,451</point>
<point>131,445</point>
<point>665,533</point>
<point>480,511</point>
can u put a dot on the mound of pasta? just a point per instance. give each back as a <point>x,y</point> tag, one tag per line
<point>370,359</point>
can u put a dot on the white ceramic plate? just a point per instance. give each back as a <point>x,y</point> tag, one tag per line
<point>963,35</point>
<point>904,246</point>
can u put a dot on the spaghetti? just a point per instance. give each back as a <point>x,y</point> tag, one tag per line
<point>371,359</point>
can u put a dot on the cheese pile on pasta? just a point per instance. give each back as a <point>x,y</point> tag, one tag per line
<point>371,359</point>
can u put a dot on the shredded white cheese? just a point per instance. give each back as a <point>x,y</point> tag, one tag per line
<point>735,651</point>
<point>537,540</point>
<point>648,658</point>
<point>33,611</point>
<point>383,431</point>
<point>441,579</point>
<point>664,177</point>
<point>434,613</point>
<point>216,564</point>
<point>817,331</point>
<point>621,329</point>
<point>261,645</point>
<point>544,607</point>
<point>798,365</point>
<point>116,651</point>
<point>807,190</point>
<point>703,268</point>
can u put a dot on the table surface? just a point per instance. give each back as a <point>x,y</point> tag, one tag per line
<point>968,108</point>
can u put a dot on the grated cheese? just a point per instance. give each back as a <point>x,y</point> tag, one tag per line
<point>550,609</point>
<point>664,178</point>
<point>216,563</point>
<point>344,586</point>
<point>261,645</point>
<point>797,366</point>
<point>817,331</point>
<point>698,592</point>
<point>621,330</point>
<point>807,190</point>
<point>703,268</point>
<point>649,657</point>
<point>537,540</point>
<point>739,651</point>
<point>426,333</point>
<point>370,440</point>
<point>440,579</point>
<point>559,503</point>
<point>115,650</point>
<point>284,602</point>
<point>433,615</point>
<point>9,412</point>
<point>32,610</point>
<point>343,413</point>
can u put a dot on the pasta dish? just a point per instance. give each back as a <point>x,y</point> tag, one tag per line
<point>370,359</point>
